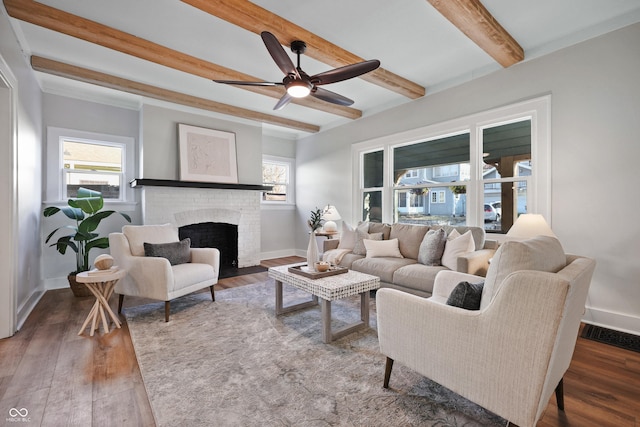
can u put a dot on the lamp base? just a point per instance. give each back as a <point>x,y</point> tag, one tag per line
<point>330,227</point>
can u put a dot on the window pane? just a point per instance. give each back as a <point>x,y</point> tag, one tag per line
<point>97,157</point>
<point>276,175</point>
<point>107,184</point>
<point>373,164</point>
<point>372,206</point>
<point>506,150</point>
<point>503,203</point>
<point>431,206</point>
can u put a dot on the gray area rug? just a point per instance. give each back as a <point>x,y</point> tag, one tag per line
<point>232,362</point>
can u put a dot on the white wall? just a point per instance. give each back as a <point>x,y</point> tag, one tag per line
<point>25,178</point>
<point>595,150</point>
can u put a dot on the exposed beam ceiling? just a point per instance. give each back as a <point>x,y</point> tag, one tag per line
<point>91,31</point>
<point>101,79</point>
<point>475,21</point>
<point>254,18</point>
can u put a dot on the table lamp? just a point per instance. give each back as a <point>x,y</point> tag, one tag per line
<point>329,216</point>
<point>528,226</point>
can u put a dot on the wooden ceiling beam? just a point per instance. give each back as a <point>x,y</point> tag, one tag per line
<point>91,31</point>
<point>475,21</point>
<point>256,19</point>
<point>106,80</point>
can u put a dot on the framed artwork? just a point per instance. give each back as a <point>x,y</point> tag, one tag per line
<point>207,155</point>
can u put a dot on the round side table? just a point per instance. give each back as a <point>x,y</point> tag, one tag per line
<point>101,284</point>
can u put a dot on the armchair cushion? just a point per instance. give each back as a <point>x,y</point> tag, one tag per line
<point>466,295</point>
<point>137,235</point>
<point>175,252</point>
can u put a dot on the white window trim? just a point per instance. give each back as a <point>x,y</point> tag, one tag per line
<point>539,192</point>
<point>291,196</point>
<point>55,175</point>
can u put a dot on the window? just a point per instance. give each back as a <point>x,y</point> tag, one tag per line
<point>277,173</point>
<point>93,165</point>
<point>499,158</point>
<point>101,162</point>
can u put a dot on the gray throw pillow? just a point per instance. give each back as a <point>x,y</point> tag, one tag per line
<point>359,248</point>
<point>466,295</point>
<point>432,247</point>
<point>175,252</point>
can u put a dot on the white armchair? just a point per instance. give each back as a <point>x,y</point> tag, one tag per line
<point>509,355</point>
<point>155,277</point>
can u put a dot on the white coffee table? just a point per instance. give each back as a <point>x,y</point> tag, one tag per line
<point>327,289</point>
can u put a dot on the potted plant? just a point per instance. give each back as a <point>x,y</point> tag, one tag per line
<point>86,211</point>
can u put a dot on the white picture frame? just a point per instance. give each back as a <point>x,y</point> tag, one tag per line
<point>207,155</point>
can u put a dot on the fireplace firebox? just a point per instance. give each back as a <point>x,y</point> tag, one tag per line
<point>218,235</point>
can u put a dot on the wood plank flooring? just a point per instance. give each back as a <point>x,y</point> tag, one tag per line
<point>65,379</point>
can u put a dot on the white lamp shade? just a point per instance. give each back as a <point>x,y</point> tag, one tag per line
<point>530,225</point>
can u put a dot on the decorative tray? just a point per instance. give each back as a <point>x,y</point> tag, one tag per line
<point>305,271</point>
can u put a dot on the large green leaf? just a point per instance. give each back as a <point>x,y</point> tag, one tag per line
<point>65,242</point>
<point>71,212</point>
<point>92,222</point>
<point>102,243</point>
<point>69,227</point>
<point>83,193</point>
<point>89,205</point>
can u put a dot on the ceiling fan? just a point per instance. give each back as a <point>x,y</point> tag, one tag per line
<point>298,83</point>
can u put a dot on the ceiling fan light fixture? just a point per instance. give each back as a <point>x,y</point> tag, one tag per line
<point>299,89</point>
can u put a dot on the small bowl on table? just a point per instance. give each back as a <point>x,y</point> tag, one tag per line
<point>322,266</point>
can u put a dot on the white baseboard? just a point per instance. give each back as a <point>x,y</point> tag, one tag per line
<point>56,283</point>
<point>27,307</point>
<point>610,320</point>
<point>282,253</point>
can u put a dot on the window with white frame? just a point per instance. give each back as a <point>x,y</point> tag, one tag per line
<point>277,172</point>
<point>500,156</point>
<point>99,162</point>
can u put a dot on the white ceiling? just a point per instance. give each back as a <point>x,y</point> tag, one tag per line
<point>409,37</point>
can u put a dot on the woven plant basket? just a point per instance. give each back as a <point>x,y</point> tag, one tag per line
<point>78,289</point>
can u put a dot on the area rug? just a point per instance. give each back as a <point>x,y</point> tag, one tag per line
<point>611,337</point>
<point>232,362</point>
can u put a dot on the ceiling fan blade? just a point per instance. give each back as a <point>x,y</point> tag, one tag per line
<point>283,102</point>
<point>334,98</point>
<point>278,54</point>
<point>243,83</point>
<point>345,73</point>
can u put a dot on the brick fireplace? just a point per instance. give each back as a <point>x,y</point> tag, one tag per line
<point>184,205</point>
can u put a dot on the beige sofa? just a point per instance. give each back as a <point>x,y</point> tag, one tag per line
<point>406,273</point>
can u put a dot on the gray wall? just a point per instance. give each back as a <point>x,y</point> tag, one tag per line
<point>595,148</point>
<point>277,222</point>
<point>26,178</point>
<point>63,112</point>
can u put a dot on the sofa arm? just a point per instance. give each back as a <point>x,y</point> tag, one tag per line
<point>209,256</point>
<point>476,262</point>
<point>446,280</point>
<point>329,244</point>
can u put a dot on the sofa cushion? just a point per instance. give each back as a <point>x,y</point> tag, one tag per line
<point>409,238</point>
<point>359,248</point>
<point>137,235</point>
<point>347,237</point>
<point>478,233</point>
<point>175,252</point>
<point>456,246</point>
<point>349,258</point>
<point>417,276</point>
<point>466,295</point>
<point>432,247</point>
<point>542,253</point>
<point>382,248</point>
<point>381,267</point>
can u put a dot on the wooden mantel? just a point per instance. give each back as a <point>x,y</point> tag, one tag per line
<point>141,182</point>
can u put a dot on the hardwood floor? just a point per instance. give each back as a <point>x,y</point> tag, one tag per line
<point>65,379</point>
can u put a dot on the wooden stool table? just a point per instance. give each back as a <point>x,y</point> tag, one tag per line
<point>101,285</point>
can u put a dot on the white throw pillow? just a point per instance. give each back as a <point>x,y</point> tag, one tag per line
<point>456,246</point>
<point>347,237</point>
<point>380,248</point>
